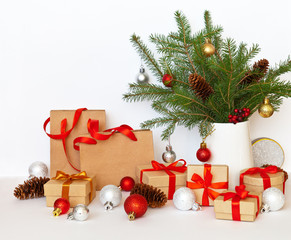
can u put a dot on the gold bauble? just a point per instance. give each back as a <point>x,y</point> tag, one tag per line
<point>208,48</point>
<point>266,109</point>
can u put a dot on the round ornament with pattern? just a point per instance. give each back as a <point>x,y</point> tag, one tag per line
<point>267,151</point>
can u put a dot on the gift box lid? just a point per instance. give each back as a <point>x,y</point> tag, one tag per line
<point>248,206</point>
<point>257,180</point>
<point>160,178</point>
<point>219,172</point>
<point>77,187</point>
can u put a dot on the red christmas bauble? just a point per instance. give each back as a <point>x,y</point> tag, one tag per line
<point>61,206</point>
<point>127,183</point>
<point>135,206</point>
<point>203,154</point>
<point>168,80</point>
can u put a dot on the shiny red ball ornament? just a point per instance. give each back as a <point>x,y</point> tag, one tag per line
<point>135,206</point>
<point>203,154</point>
<point>61,206</point>
<point>168,80</point>
<point>127,183</point>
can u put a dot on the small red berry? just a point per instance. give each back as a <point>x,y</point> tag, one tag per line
<point>229,116</point>
<point>248,110</point>
<point>239,119</point>
<point>230,120</point>
<point>244,109</point>
<point>243,115</point>
<point>235,110</point>
<point>247,114</point>
<point>234,117</point>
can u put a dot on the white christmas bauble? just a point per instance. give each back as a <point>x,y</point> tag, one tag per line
<point>80,213</point>
<point>273,199</point>
<point>110,196</point>
<point>38,169</point>
<point>184,199</point>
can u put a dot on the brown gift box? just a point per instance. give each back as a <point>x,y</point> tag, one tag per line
<point>255,183</point>
<point>219,174</point>
<point>112,159</point>
<point>248,208</point>
<point>160,179</point>
<point>58,159</point>
<point>79,192</point>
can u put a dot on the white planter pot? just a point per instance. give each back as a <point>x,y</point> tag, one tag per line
<point>230,144</point>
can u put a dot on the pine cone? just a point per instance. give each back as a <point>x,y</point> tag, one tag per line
<point>260,68</point>
<point>154,196</point>
<point>32,188</point>
<point>201,88</point>
<point>285,173</point>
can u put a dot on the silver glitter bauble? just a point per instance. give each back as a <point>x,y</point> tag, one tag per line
<point>142,77</point>
<point>110,196</point>
<point>37,169</point>
<point>184,199</point>
<point>169,156</point>
<point>273,199</point>
<point>80,213</point>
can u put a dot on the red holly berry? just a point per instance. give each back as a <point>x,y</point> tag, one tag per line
<point>247,114</point>
<point>248,110</point>
<point>239,119</point>
<point>235,110</point>
<point>244,109</point>
<point>229,116</point>
<point>230,120</point>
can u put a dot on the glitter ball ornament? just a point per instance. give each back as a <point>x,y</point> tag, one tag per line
<point>203,154</point>
<point>110,196</point>
<point>168,80</point>
<point>266,109</point>
<point>169,156</point>
<point>127,183</point>
<point>142,77</point>
<point>80,213</point>
<point>184,199</point>
<point>61,206</point>
<point>135,206</point>
<point>208,48</point>
<point>273,200</point>
<point>37,169</point>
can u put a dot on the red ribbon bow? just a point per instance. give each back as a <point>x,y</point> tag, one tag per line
<point>239,194</point>
<point>206,183</point>
<point>172,177</point>
<point>263,172</point>
<point>93,129</point>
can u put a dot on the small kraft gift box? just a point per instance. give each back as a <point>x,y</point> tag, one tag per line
<point>168,177</point>
<point>238,205</point>
<point>207,182</point>
<point>77,188</point>
<point>115,153</point>
<point>258,179</point>
<point>65,127</point>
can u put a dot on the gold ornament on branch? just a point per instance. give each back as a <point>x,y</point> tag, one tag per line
<point>266,109</point>
<point>208,48</point>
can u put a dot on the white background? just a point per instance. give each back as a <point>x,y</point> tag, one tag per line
<point>61,54</point>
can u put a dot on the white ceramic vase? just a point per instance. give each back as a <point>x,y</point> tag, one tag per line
<point>230,144</point>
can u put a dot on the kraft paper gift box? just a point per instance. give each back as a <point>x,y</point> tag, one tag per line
<point>156,176</point>
<point>247,210</point>
<point>258,179</point>
<point>207,182</point>
<point>58,158</point>
<point>112,159</point>
<point>79,191</point>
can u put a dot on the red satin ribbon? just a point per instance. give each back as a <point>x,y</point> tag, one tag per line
<point>93,129</point>
<point>64,134</point>
<point>206,183</point>
<point>239,194</point>
<point>263,173</point>
<point>172,177</point>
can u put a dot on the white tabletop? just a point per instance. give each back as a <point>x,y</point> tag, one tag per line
<point>31,219</point>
